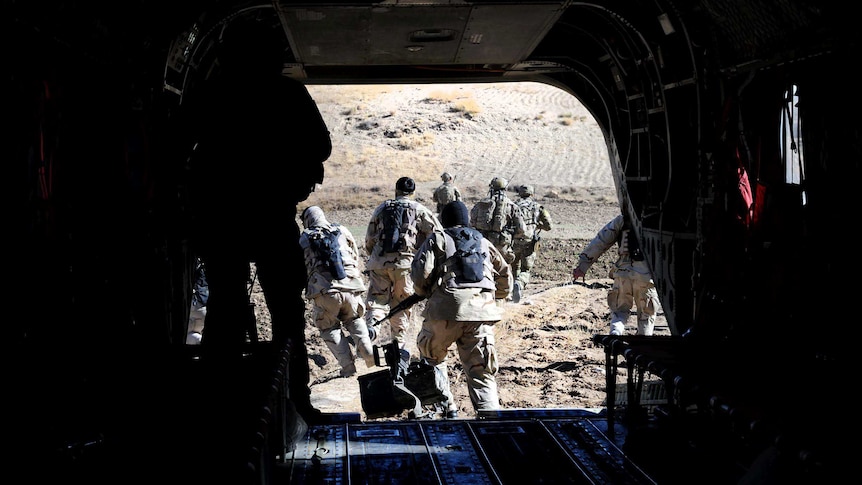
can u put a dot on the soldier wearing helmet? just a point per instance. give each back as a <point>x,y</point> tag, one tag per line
<point>498,218</point>
<point>536,220</point>
<point>445,192</point>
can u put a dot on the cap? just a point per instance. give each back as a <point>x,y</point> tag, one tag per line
<point>455,214</point>
<point>406,185</point>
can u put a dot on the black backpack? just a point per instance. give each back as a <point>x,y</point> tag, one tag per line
<point>468,256</point>
<point>397,219</point>
<point>325,245</point>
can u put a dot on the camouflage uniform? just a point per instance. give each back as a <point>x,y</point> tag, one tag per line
<point>337,302</point>
<point>445,192</point>
<point>514,223</point>
<point>461,313</point>
<point>389,273</point>
<point>536,218</point>
<point>633,284</point>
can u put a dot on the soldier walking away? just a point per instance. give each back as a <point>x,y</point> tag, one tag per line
<point>445,192</point>
<point>466,297</point>
<point>397,228</point>
<point>536,220</point>
<point>498,218</point>
<point>633,283</point>
<point>336,288</point>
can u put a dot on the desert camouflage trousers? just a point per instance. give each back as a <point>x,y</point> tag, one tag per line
<point>387,288</point>
<point>476,349</point>
<point>628,292</point>
<point>333,309</point>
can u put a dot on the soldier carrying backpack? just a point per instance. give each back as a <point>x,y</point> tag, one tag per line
<point>498,218</point>
<point>445,192</point>
<point>397,228</point>
<point>467,281</point>
<point>336,288</point>
<point>537,219</point>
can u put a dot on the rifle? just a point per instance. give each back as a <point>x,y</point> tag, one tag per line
<point>405,304</point>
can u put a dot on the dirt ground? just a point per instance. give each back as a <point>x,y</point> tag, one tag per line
<point>530,134</point>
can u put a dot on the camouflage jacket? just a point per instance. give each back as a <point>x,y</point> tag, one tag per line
<point>424,224</point>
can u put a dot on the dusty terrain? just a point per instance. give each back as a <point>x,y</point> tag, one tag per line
<point>527,133</point>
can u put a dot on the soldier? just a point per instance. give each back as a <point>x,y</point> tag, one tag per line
<point>337,301</point>
<point>463,306</point>
<point>397,228</point>
<point>245,144</point>
<point>536,219</point>
<point>498,218</point>
<point>633,284</point>
<point>445,192</point>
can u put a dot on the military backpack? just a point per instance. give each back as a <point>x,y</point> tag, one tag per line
<point>488,214</point>
<point>469,261</point>
<point>397,217</point>
<point>324,243</point>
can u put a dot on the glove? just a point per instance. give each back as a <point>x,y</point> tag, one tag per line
<point>577,273</point>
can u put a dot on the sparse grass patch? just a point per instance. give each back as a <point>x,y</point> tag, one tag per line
<point>445,96</point>
<point>462,102</point>
<point>468,106</point>
<point>414,141</point>
<point>346,197</point>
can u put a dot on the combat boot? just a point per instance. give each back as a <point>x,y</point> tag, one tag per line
<point>516,292</point>
<point>646,327</point>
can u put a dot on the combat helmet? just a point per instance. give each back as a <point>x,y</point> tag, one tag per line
<point>499,183</point>
<point>526,191</point>
<point>446,176</point>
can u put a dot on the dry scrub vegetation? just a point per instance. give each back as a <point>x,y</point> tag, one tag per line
<point>530,134</point>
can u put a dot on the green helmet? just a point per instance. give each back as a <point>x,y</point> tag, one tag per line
<point>526,191</point>
<point>499,183</point>
<point>446,176</point>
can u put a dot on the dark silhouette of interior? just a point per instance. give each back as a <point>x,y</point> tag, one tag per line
<point>734,144</point>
